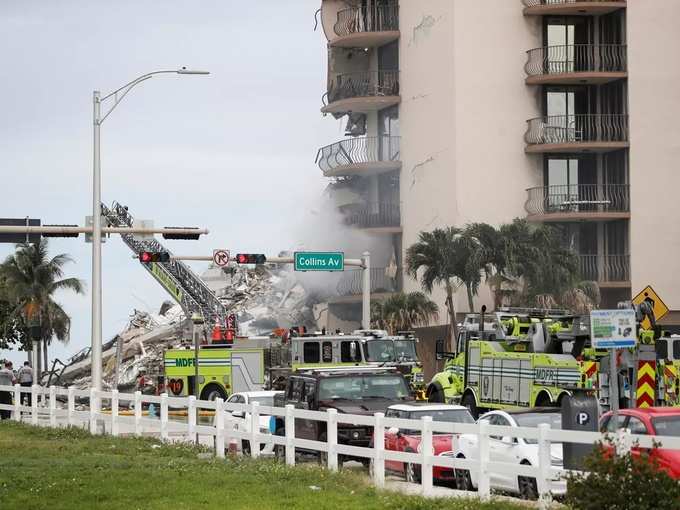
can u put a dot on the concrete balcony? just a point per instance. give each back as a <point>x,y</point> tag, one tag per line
<point>578,202</point>
<point>362,92</point>
<point>609,271</point>
<point>571,7</point>
<point>377,218</point>
<point>361,27</point>
<point>351,281</point>
<point>577,133</point>
<point>576,64</point>
<point>366,155</point>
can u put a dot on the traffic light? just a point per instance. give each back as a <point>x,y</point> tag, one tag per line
<point>250,258</point>
<point>170,235</point>
<point>146,257</point>
<point>52,234</point>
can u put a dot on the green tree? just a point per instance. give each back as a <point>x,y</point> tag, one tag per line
<point>547,272</point>
<point>30,279</point>
<point>440,257</point>
<point>403,311</point>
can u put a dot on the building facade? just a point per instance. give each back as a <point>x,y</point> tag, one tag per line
<point>559,111</point>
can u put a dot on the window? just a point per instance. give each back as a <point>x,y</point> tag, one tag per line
<point>534,419</point>
<point>310,352</point>
<point>327,352</point>
<point>676,349</point>
<point>667,425</point>
<point>499,420</point>
<point>310,390</point>
<point>608,424</point>
<point>296,390</point>
<point>346,351</point>
<point>405,350</point>
<point>636,426</point>
<point>233,399</point>
<point>379,350</point>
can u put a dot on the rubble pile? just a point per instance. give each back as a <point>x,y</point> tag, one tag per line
<point>263,298</point>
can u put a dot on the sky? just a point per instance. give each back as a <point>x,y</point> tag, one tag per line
<point>232,152</point>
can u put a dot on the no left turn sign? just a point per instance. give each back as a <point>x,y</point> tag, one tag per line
<point>221,257</point>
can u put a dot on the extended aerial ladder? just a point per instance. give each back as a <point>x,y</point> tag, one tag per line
<point>185,286</point>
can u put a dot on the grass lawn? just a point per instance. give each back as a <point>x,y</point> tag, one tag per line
<point>68,468</point>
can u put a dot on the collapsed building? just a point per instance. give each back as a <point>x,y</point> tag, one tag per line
<point>263,298</point>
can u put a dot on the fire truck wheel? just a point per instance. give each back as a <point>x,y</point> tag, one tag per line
<point>468,401</point>
<point>543,400</point>
<point>212,391</point>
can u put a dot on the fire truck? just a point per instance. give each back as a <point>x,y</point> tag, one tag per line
<point>513,360</point>
<point>248,364</point>
<point>531,358</point>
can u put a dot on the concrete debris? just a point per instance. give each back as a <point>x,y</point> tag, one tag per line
<point>263,298</point>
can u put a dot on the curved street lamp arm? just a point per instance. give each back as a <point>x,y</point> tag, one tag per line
<point>117,97</point>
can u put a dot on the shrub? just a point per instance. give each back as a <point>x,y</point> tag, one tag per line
<point>622,482</point>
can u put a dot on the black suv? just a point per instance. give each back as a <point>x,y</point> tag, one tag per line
<point>349,391</point>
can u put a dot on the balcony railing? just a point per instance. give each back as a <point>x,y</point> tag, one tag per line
<point>605,268</point>
<point>535,3</point>
<point>376,215</point>
<point>379,18</point>
<point>363,84</point>
<point>578,198</point>
<point>560,129</point>
<point>576,58</point>
<point>351,281</point>
<point>361,150</point>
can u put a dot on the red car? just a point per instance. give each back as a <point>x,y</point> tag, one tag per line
<point>657,421</point>
<point>409,440</point>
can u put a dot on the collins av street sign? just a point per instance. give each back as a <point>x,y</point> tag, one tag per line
<point>319,261</point>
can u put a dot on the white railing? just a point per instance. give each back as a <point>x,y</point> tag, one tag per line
<point>44,411</point>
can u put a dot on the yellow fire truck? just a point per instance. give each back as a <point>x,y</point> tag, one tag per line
<point>533,359</point>
<point>261,363</point>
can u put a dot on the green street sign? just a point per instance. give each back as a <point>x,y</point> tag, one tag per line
<point>319,261</point>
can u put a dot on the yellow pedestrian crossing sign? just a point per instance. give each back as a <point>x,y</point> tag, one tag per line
<point>657,304</point>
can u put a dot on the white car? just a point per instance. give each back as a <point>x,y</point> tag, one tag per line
<point>241,419</point>
<point>513,450</point>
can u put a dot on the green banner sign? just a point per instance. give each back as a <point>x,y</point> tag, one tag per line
<point>319,261</point>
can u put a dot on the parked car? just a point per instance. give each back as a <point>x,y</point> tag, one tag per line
<point>657,421</point>
<point>406,440</point>
<point>354,390</point>
<point>513,450</point>
<point>241,419</point>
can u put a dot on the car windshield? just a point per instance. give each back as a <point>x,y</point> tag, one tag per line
<point>667,425</point>
<point>360,387</point>
<point>405,350</point>
<point>267,400</point>
<point>535,419</point>
<point>380,350</point>
<point>445,415</point>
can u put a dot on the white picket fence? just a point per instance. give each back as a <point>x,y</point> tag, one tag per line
<point>44,411</point>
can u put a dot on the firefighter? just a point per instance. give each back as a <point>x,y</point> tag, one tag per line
<point>144,383</point>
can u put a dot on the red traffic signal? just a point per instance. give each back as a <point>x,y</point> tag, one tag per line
<point>146,257</point>
<point>250,258</point>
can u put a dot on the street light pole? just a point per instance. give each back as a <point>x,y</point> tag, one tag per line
<point>117,96</point>
<point>96,349</point>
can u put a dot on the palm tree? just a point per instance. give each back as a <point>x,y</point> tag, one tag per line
<point>401,312</point>
<point>30,279</point>
<point>440,256</point>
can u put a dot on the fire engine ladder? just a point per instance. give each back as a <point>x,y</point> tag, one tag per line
<point>185,286</point>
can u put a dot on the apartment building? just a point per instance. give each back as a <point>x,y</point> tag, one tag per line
<point>560,111</point>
